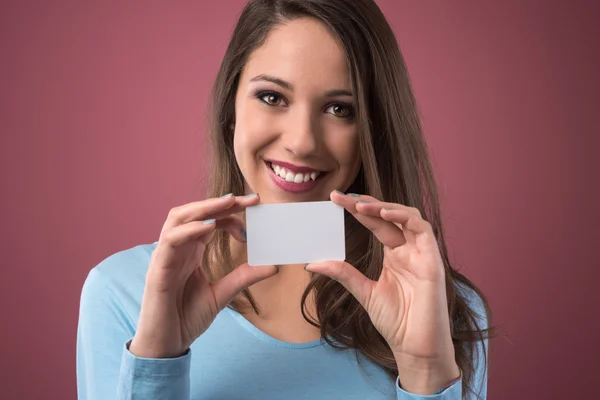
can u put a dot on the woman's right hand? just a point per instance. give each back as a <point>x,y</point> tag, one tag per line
<point>179,301</point>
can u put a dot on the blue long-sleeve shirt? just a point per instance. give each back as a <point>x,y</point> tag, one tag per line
<point>231,360</point>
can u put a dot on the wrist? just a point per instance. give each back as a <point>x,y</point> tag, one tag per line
<point>426,377</point>
<point>143,347</point>
<point>155,336</point>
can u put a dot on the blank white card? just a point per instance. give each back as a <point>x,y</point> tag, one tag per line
<point>295,233</point>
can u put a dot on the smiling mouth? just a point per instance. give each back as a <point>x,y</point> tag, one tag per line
<point>294,177</point>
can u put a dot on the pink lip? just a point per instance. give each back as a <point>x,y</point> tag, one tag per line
<point>292,167</point>
<point>291,186</point>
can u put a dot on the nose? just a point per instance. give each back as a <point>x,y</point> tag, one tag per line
<point>301,136</point>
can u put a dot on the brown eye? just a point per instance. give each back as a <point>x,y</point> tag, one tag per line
<point>271,99</point>
<point>340,111</point>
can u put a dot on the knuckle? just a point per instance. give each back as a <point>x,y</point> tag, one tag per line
<point>174,213</point>
<point>424,226</point>
<point>415,211</point>
<point>339,270</point>
<point>428,226</point>
<point>169,238</point>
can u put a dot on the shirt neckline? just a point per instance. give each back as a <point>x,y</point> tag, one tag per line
<point>270,339</point>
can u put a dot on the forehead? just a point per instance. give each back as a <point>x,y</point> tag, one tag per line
<point>303,52</point>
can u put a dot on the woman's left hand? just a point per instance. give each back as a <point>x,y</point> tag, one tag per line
<point>408,304</point>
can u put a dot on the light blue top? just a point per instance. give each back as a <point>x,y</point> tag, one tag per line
<point>232,360</point>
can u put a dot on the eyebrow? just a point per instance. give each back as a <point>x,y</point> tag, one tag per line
<point>290,87</point>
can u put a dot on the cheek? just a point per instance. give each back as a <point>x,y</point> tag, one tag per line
<point>345,149</point>
<point>251,132</point>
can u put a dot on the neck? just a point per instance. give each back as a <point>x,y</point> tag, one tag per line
<point>279,295</point>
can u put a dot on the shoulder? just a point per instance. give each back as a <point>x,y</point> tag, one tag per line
<point>118,278</point>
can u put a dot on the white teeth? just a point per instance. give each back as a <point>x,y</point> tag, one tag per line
<point>289,176</point>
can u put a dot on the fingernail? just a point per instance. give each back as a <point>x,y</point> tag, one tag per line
<point>226,196</point>
<point>309,270</point>
<point>208,221</point>
<point>354,194</point>
<point>251,195</point>
<point>338,192</point>
<point>386,208</point>
<point>362,201</point>
<point>243,231</point>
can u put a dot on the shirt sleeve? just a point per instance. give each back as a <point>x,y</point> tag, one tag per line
<point>105,367</point>
<point>454,392</point>
<point>153,378</point>
<point>478,387</point>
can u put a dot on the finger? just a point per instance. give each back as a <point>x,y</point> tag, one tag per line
<point>368,205</point>
<point>233,283</point>
<point>375,208</point>
<point>386,232</point>
<point>352,279</point>
<point>185,233</point>
<point>363,198</point>
<point>197,230</point>
<point>208,209</point>
<point>416,229</point>
<point>241,203</point>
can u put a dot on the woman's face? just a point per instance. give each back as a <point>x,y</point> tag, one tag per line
<point>296,138</point>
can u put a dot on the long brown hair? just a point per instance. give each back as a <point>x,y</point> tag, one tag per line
<point>395,167</point>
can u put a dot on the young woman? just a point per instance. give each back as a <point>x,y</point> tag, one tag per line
<point>312,101</point>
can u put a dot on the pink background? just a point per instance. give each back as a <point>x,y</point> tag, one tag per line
<point>102,123</point>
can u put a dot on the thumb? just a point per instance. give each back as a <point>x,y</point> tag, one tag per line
<point>352,279</point>
<point>229,286</point>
